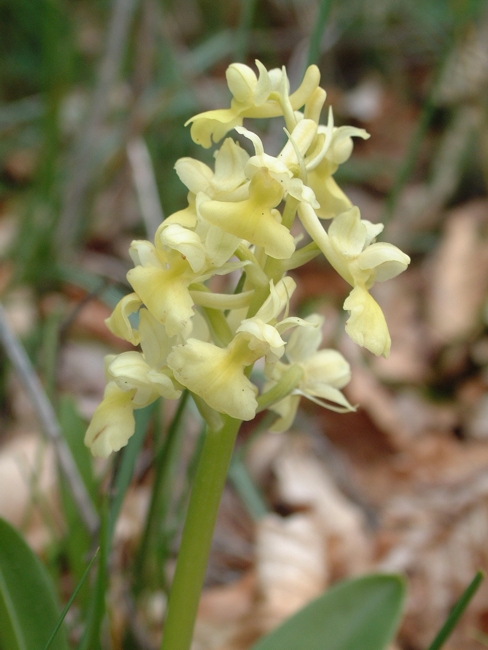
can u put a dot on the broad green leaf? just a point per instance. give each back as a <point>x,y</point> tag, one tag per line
<point>28,608</point>
<point>358,614</point>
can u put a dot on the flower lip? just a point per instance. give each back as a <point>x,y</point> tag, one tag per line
<point>217,375</point>
<point>255,218</point>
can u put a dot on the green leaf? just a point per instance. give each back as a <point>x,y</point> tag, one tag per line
<point>358,614</point>
<point>28,608</point>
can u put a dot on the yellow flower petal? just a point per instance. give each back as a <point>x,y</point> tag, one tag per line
<point>165,293</point>
<point>113,422</point>
<point>298,99</point>
<point>217,376</point>
<point>278,299</point>
<point>325,368</point>
<point>331,198</point>
<point>129,371</point>
<point>366,324</point>
<point>241,81</point>
<point>230,161</point>
<point>119,324</point>
<point>286,409</point>
<point>348,233</point>
<point>213,125</point>
<point>186,218</point>
<point>187,242</point>
<point>254,219</point>
<point>155,343</point>
<point>196,175</point>
<point>387,261</point>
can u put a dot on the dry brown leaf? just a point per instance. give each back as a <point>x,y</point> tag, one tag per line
<point>366,390</point>
<point>130,522</point>
<point>402,414</point>
<point>441,543</point>
<point>223,622</point>
<point>291,565</point>
<point>303,484</point>
<point>21,310</point>
<point>28,487</point>
<point>20,165</point>
<point>438,459</point>
<point>410,350</point>
<point>262,453</point>
<point>477,420</point>
<point>457,276</point>
<point>81,373</point>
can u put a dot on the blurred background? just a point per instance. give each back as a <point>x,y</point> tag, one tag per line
<point>94,96</point>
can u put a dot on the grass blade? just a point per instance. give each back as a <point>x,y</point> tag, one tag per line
<point>70,601</point>
<point>316,38</point>
<point>457,612</point>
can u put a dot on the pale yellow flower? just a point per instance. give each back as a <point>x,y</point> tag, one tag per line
<point>163,273</point>
<point>161,281</point>
<point>135,380</point>
<point>112,423</point>
<point>349,249</point>
<point>331,198</point>
<point>288,165</point>
<point>119,324</point>
<point>332,147</point>
<point>217,374</point>
<point>324,373</point>
<point>252,97</point>
<point>225,183</point>
<point>191,337</point>
<point>253,219</point>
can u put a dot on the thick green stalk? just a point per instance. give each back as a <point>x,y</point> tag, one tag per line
<point>204,503</point>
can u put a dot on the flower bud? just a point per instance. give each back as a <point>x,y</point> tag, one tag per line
<point>241,81</point>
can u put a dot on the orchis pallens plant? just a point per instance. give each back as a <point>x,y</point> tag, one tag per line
<point>238,218</point>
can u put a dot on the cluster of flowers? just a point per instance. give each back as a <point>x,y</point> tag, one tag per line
<point>206,342</point>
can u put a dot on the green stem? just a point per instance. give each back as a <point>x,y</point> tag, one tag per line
<point>314,49</point>
<point>244,28</point>
<point>219,326</point>
<point>288,382</point>
<point>197,535</point>
<point>165,464</point>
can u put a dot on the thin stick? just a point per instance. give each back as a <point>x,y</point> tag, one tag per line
<point>145,184</point>
<point>49,422</point>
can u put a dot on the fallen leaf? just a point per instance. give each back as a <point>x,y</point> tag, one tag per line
<point>457,276</point>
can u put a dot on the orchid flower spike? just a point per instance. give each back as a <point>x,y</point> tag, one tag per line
<point>190,331</point>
